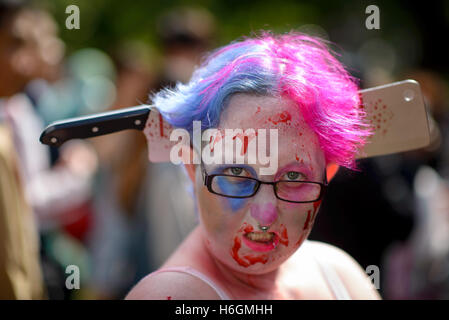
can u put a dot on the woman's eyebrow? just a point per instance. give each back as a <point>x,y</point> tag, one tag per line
<point>219,168</point>
<point>302,166</point>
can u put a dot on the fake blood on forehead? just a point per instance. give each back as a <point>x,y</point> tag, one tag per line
<point>283,117</point>
<point>214,139</point>
<point>245,139</point>
<point>301,161</point>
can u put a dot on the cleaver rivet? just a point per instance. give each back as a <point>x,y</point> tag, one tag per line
<point>409,95</point>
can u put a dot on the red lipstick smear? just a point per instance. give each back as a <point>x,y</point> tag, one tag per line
<point>306,224</point>
<point>282,117</point>
<point>297,158</point>
<point>261,246</point>
<point>249,259</point>
<point>284,236</point>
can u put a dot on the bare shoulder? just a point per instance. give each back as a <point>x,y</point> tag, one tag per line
<point>354,278</point>
<point>172,285</point>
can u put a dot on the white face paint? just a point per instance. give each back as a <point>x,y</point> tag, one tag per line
<point>230,225</point>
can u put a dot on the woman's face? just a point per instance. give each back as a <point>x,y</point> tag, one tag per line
<point>232,226</point>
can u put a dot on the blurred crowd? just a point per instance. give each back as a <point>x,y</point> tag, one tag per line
<point>100,205</point>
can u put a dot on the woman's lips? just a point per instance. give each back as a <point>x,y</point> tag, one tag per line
<point>261,241</point>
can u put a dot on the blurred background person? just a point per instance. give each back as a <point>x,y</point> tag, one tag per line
<point>185,34</point>
<point>29,50</point>
<point>418,268</point>
<point>20,271</point>
<point>120,252</point>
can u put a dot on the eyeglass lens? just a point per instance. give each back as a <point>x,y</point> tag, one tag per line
<point>245,187</point>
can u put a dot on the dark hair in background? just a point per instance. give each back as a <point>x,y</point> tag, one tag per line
<point>186,26</point>
<point>8,8</point>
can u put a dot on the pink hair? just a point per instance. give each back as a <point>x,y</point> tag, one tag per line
<point>293,65</point>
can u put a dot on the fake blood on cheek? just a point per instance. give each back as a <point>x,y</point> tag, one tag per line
<point>246,228</point>
<point>311,219</point>
<point>316,205</point>
<point>235,253</point>
<point>309,222</point>
<point>283,239</point>
<point>306,224</point>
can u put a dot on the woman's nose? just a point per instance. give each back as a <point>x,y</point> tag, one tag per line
<point>264,211</point>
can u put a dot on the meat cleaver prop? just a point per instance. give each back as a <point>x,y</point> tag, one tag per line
<point>396,112</point>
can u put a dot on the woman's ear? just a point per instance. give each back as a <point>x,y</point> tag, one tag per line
<point>331,170</point>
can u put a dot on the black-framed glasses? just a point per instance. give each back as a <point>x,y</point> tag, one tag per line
<point>245,187</point>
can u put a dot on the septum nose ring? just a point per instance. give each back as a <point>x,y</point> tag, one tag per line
<point>263,228</point>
